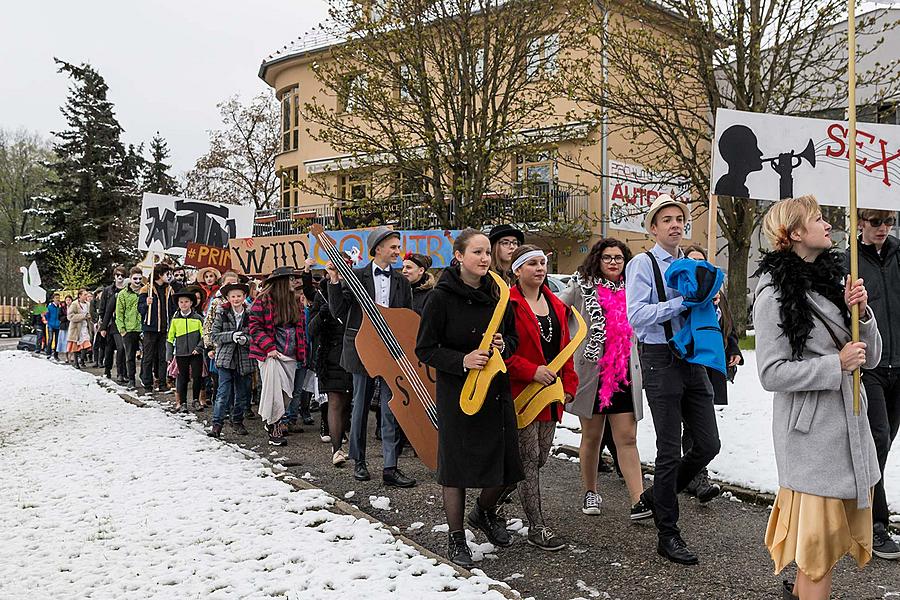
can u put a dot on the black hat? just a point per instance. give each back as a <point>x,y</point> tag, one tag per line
<point>234,286</point>
<point>500,231</point>
<point>191,293</point>
<point>280,272</point>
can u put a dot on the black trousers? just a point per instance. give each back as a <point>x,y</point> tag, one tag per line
<point>131,341</point>
<point>677,391</point>
<point>883,393</point>
<point>153,358</point>
<point>114,347</point>
<point>189,367</point>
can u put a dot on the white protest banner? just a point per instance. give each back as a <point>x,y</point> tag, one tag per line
<point>168,223</point>
<point>770,157</point>
<point>632,189</point>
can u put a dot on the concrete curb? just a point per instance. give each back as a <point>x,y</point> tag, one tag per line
<point>339,505</point>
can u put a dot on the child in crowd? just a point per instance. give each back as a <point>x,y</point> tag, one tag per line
<point>231,336</point>
<point>186,334</point>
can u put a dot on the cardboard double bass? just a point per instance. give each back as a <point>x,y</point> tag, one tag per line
<point>386,344</point>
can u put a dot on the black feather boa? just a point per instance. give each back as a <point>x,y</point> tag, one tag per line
<point>792,278</point>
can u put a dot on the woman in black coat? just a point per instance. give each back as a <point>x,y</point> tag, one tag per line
<point>326,333</point>
<point>481,450</point>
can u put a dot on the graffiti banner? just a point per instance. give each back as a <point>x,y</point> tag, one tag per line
<point>168,224</point>
<point>258,256</point>
<point>632,189</point>
<point>201,255</point>
<point>436,243</point>
<point>769,157</point>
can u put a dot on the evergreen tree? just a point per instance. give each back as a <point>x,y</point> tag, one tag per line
<point>156,172</point>
<point>93,202</point>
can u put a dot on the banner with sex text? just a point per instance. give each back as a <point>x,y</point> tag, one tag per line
<point>436,243</point>
<point>770,157</point>
<point>259,256</point>
<point>168,223</point>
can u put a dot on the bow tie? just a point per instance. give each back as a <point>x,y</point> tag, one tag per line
<point>384,272</point>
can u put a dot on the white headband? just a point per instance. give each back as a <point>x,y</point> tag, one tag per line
<point>526,257</point>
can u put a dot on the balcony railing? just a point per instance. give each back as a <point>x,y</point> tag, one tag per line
<point>529,204</point>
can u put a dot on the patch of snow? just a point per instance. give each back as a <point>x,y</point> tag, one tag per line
<point>513,576</point>
<point>415,526</point>
<point>380,502</point>
<point>591,591</point>
<point>349,495</point>
<point>442,528</point>
<point>307,476</point>
<point>81,518</point>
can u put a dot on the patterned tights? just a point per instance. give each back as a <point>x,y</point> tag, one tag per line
<point>534,448</point>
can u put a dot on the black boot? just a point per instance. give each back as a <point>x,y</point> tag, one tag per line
<point>458,550</point>
<point>305,415</point>
<point>216,430</point>
<point>706,491</point>
<point>493,527</point>
<point>787,588</point>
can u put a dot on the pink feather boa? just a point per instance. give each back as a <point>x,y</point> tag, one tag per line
<point>613,365</point>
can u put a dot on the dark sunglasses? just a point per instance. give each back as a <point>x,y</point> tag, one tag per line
<point>889,221</point>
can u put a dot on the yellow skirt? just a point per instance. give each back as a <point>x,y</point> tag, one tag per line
<point>815,532</point>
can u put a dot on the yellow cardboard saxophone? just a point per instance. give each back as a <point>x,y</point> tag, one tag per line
<point>532,400</point>
<point>478,381</point>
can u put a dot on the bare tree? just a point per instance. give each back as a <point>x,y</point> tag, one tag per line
<point>431,97</point>
<point>240,165</point>
<point>662,82</point>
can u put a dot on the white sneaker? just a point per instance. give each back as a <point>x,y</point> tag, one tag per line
<point>338,458</point>
<point>592,502</point>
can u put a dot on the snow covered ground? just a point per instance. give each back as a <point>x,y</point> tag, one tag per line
<point>102,499</point>
<point>745,428</point>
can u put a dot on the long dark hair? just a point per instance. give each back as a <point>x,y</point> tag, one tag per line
<point>591,267</point>
<point>287,308</point>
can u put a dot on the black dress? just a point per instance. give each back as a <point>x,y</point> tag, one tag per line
<point>481,450</point>
<point>327,338</point>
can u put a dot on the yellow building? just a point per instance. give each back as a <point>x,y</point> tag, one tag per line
<point>544,188</point>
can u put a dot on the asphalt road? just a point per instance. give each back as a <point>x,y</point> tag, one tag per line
<point>608,556</point>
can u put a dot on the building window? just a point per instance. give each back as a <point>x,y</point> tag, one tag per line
<point>290,191</point>
<point>543,56</point>
<point>353,88</point>
<point>290,119</point>
<point>404,73</point>
<point>354,187</point>
<point>537,167</point>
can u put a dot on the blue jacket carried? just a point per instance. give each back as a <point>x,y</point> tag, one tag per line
<point>699,341</point>
<point>52,316</point>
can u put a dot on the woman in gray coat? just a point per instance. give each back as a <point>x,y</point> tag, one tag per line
<point>825,454</point>
<point>609,374</point>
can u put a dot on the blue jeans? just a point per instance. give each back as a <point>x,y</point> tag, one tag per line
<point>293,409</point>
<point>234,390</point>
<point>363,387</point>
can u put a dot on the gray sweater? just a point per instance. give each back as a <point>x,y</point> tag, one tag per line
<point>821,447</point>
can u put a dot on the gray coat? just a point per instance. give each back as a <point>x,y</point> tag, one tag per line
<point>230,355</point>
<point>821,447</point>
<point>588,376</point>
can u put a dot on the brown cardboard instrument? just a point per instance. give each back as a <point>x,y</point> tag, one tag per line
<point>386,344</point>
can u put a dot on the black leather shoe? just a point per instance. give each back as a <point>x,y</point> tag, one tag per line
<point>493,527</point>
<point>676,551</point>
<point>706,491</point>
<point>458,550</point>
<point>361,472</point>
<point>396,478</point>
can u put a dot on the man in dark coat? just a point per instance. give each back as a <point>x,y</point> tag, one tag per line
<point>108,329</point>
<point>879,267</point>
<point>388,288</point>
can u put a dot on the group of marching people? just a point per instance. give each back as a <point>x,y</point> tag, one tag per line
<point>657,326</point>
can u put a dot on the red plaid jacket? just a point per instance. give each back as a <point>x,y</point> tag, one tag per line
<point>262,330</point>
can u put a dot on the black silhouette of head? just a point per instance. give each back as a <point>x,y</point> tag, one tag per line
<point>739,148</point>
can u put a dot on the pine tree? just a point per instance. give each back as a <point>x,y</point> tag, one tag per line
<point>93,202</point>
<point>156,172</point>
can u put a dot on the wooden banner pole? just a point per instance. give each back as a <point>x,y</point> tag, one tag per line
<point>851,137</point>
<point>712,229</point>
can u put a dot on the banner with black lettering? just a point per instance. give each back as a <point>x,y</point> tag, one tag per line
<point>168,223</point>
<point>770,157</point>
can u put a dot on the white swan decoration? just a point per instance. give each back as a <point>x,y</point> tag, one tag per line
<point>31,281</point>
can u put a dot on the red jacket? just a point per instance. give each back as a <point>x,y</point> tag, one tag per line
<point>529,355</point>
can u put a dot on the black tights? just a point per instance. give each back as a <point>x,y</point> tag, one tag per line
<point>338,416</point>
<point>455,503</point>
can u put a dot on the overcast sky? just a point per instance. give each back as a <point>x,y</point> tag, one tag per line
<point>167,62</point>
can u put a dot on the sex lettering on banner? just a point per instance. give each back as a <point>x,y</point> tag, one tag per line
<point>259,256</point>
<point>770,157</point>
<point>202,255</point>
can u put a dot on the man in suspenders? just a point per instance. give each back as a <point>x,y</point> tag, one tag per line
<point>676,390</point>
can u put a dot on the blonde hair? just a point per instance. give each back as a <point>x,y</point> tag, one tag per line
<point>787,216</point>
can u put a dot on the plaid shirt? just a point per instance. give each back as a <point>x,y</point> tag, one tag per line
<point>262,330</point>
<point>228,354</point>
